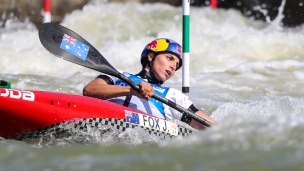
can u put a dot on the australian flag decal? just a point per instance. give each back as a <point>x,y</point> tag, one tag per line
<point>132,117</point>
<point>74,46</point>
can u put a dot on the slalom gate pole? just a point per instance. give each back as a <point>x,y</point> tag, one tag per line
<point>213,4</point>
<point>47,11</point>
<point>186,45</point>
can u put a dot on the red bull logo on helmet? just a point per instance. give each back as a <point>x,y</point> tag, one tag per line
<point>152,45</point>
<point>159,45</point>
<point>164,45</point>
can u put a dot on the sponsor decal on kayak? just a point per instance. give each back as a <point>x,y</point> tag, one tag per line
<point>151,122</point>
<point>74,47</point>
<point>18,94</point>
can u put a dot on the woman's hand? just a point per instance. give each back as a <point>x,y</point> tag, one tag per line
<point>146,91</point>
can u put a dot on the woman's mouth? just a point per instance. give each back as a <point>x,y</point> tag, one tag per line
<point>168,72</point>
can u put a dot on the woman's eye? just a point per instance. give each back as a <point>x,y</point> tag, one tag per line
<point>169,58</point>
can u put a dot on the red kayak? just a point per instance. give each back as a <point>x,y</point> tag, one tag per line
<point>30,114</point>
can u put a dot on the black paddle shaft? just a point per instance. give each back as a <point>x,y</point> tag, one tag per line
<point>51,37</point>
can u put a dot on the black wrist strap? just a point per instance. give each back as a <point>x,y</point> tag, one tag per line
<point>186,118</point>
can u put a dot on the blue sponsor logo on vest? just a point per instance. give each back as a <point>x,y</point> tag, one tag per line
<point>161,91</point>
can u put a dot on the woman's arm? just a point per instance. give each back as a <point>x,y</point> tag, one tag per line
<point>99,88</point>
<point>198,125</point>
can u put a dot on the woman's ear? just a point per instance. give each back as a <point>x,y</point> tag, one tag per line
<point>150,56</point>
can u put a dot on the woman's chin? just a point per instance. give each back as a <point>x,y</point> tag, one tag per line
<point>163,79</point>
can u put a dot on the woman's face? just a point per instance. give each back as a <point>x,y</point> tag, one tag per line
<point>164,65</point>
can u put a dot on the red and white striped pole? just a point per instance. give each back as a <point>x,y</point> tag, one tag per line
<point>47,11</point>
<point>213,4</point>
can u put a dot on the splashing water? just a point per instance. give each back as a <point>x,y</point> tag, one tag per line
<point>247,75</point>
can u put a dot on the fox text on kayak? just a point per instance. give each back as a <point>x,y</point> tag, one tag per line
<point>151,122</point>
<point>17,94</point>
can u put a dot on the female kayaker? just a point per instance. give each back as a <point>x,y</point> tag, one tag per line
<point>160,59</point>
